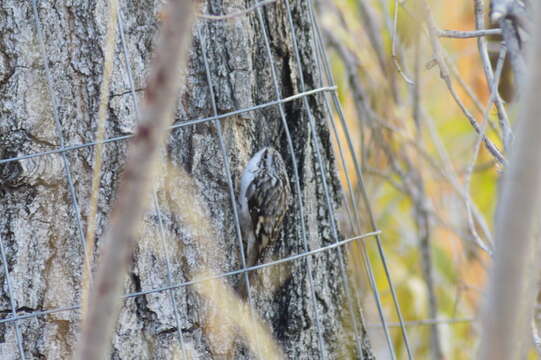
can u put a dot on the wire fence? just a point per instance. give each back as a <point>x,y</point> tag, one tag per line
<point>326,93</point>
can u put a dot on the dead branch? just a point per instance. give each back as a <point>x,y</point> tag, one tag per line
<point>510,298</point>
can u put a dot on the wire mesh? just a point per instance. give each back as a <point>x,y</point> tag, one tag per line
<point>12,299</point>
<point>322,92</point>
<point>319,46</point>
<point>186,123</point>
<point>354,221</point>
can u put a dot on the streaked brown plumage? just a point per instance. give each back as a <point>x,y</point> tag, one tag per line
<point>264,199</point>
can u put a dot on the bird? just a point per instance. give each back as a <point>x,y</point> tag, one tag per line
<point>264,198</point>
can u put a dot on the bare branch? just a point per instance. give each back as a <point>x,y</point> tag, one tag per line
<point>505,127</point>
<point>509,302</point>
<point>477,147</point>
<point>444,74</point>
<point>455,34</point>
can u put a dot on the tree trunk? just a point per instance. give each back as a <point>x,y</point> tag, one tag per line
<point>39,222</point>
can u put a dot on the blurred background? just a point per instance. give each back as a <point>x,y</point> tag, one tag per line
<point>432,187</point>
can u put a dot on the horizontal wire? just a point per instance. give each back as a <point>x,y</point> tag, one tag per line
<point>192,282</point>
<point>427,322</point>
<point>175,126</point>
<point>237,13</point>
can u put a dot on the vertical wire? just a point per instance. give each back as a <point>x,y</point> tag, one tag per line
<point>298,190</point>
<point>350,216</point>
<point>362,184</point>
<point>11,299</point>
<point>356,225</point>
<point>155,203</point>
<point>323,178</point>
<point>366,259</point>
<point>227,168</point>
<point>59,132</point>
<point>58,127</point>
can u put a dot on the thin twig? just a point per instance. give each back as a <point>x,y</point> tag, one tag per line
<point>449,173</point>
<point>477,147</point>
<point>394,41</point>
<point>422,210</point>
<point>108,57</point>
<point>505,126</point>
<point>444,74</point>
<point>469,91</point>
<point>375,36</point>
<point>456,34</point>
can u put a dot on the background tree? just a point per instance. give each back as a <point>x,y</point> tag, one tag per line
<point>49,98</point>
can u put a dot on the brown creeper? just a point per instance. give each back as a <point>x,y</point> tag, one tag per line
<point>264,199</point>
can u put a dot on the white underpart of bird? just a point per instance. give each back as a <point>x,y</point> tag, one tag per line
<point>247,178</point>
<point>263,199</point>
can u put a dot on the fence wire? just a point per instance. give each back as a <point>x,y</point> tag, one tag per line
<point>328,73</point>
<point>326,90</point>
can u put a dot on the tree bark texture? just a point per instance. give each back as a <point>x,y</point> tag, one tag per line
<point>38,221</point>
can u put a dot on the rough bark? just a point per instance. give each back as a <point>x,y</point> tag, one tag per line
<point>38,224</point>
